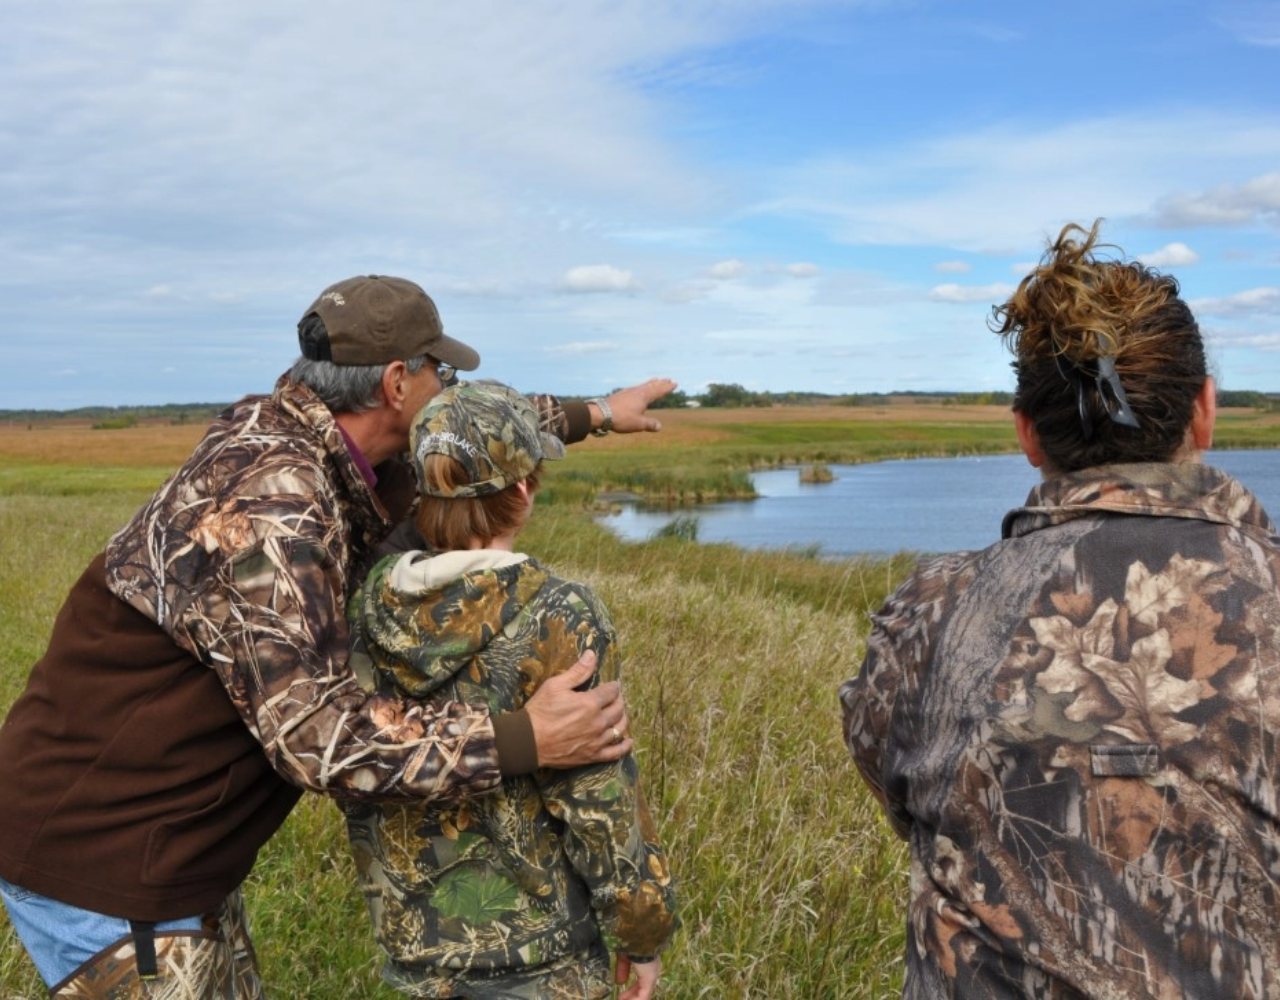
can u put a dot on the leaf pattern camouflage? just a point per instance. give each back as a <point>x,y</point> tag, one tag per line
<point>216,964</point>
<point>504,895</point>
<point>1075,730</point>
<point>486,427</point>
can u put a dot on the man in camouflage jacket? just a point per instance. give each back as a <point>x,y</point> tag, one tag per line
<point>196,678</point>
<point>1075,731</point>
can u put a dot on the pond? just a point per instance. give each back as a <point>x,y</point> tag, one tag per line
<point>923,505</point>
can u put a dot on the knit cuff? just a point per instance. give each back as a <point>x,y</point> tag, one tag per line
<point>517,749</point>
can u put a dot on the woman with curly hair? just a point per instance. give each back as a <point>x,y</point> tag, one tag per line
<point>1076,729</point>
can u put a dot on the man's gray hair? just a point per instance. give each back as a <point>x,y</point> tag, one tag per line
<point>347,388</point>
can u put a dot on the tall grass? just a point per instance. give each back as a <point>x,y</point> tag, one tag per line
<point>791,886</point>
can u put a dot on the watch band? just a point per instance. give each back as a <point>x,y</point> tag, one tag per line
<point>606,417</point>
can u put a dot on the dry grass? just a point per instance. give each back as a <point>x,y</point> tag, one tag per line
<point>791,886</point>
<point>74,442</point>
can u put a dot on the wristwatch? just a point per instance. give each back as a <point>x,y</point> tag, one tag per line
<point>606,415</point>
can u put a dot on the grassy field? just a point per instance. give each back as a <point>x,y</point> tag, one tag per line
<point>791,884</point>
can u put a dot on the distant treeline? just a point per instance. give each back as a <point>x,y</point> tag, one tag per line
<point>719,394</point>
<point>121,416</point>
<point>733,395</point>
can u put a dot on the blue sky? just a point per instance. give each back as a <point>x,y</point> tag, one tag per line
<point>781,193</point>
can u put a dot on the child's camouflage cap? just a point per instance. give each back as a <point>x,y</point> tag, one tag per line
<point>488,428</point>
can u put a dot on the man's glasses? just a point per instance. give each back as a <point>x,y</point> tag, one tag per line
<point>447,374</point>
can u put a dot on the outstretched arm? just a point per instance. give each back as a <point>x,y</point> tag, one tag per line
<point>572,420</point>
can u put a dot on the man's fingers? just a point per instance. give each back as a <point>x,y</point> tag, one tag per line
<point>656,388</point>
<point>615,717</point>
<point>607,695</point>
<point>608,752</point>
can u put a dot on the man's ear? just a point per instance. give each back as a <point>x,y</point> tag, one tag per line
<point>1028,438</point>
<point>393,387</point>
<point>1204,414</point>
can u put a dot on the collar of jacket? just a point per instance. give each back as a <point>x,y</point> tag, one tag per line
<point>1156,489</point>
<point>373,511</point>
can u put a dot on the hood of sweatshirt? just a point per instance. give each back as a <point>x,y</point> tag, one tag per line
<point>422,618</point>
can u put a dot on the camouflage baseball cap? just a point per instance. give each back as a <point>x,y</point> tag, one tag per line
<point>490,429</point>
<point>375,320</point>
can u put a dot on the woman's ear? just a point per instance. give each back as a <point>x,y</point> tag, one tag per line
<point>1028,438</point>
<point>1204,414</point>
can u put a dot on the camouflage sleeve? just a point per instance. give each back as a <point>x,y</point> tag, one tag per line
<point>551,415</point>
<point>274,627</point>
<point>612,841</point>
<point>569,420</point>
<point>898,650</point>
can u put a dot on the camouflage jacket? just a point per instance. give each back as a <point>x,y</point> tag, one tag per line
<point>1075,730</point>
<point>468,892</point>
<point>246,556</point>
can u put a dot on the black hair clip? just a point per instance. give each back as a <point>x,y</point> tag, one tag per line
<point>1106,380</point>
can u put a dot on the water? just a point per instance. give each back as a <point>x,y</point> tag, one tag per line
<point>924,505</point>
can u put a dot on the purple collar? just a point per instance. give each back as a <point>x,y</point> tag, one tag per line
<point>357,456</point>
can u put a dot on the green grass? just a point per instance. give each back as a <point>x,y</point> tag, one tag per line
<point>791,885</point>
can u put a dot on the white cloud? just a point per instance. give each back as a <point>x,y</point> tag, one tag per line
<point>1253,22</point>
<point>683,293</point>
<point>726,270</point>
<point>802,269</point>
<point>157,292</point>
<point>583,347</point>
<point>1003,187</point>
<point>1268,343</point>
<point>997,292</point>
<point>1254,300</point>
<point>1244,204</point>
<point>598,278</point>
<point>65,372</point>
<point>1170,255</point>
<point>953,267</point>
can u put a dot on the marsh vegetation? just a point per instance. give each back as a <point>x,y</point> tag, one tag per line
<point>791,884</point>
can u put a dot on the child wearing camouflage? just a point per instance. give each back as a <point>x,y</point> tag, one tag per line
<point>506,895</point>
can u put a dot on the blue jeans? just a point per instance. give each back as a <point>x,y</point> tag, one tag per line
<point>59,937</point>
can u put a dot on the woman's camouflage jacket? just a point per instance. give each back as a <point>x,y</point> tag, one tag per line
<point>503,884</point>
<point>1075,730</point>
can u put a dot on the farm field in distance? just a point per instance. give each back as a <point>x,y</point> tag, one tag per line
<point>792,885</point>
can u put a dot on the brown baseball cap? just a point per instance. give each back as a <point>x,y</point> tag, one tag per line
<point>374,320</point>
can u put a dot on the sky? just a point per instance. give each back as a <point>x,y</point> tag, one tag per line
<point>785,194</point>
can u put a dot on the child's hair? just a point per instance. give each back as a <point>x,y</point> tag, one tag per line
<point>451,523</point>
<point>1073,318</point>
